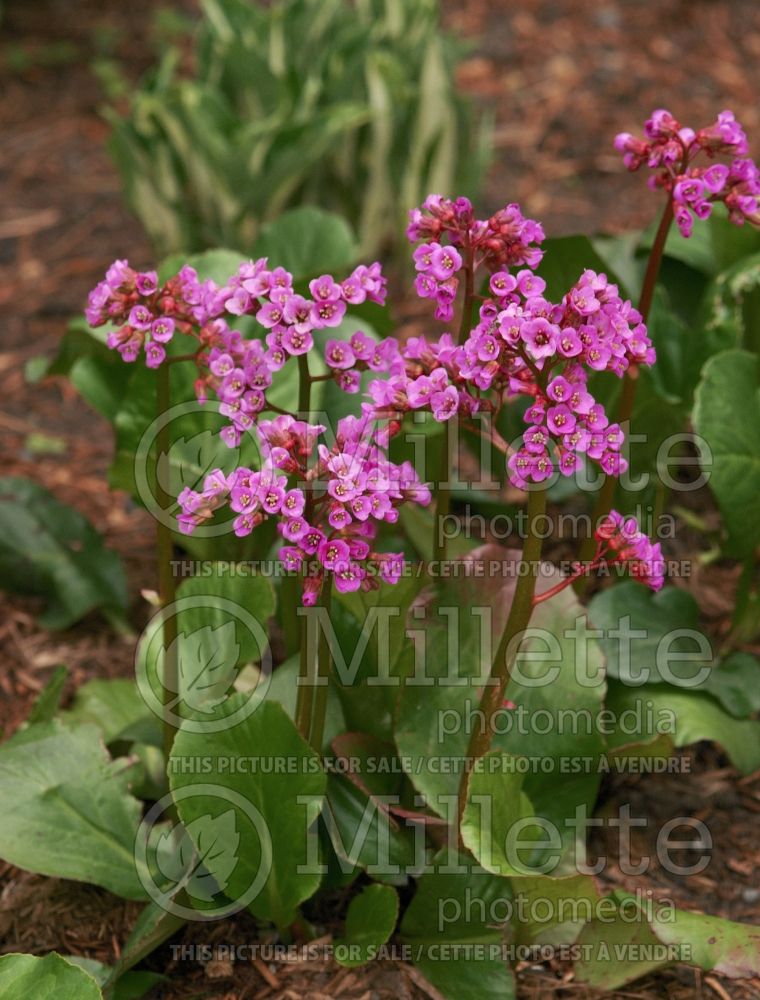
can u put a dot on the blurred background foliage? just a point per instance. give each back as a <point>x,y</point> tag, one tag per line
<point>350,106</point>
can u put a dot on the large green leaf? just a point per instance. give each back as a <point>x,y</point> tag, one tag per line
<point>731,308</point>
<point>735,683</point>
<point>450,926</point>
<point>553,910</point>
<point>51,550</point>
<point>283,688</point>
<point>713,246</point>
<point>130,986</point>
<point>23,977</point>
<point>217,265</point>
<point>67,810</point>
<point>558,693</point>
<point>656,639</point>
<point>687,717</point>
<point>497,825</point>
<point>727,417</point>
<point>370,644</point>
<point>650,638</point>
<point>714,944</point>
<point>615,952</point>
<point>307,242</point>
<point>564,261</point>
<point>115,706</point>
<point>370,921</point>
<point>221,617</point>
<point>98,373</point>
<point>259,812</point>
<point>364,834</point>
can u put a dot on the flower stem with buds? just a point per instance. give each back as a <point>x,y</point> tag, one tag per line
<point>305,696</point>
<point>501,669</point>
<point>606,495</point>
<point>166,585</point>
<point>443,502</point>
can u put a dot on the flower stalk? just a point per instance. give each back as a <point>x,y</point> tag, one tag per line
<point>166,583</point>
<point>305,695</point>
<point>606,496</point>
<point>323,673</point>
<point>501,668</point>
<point>443,503</point>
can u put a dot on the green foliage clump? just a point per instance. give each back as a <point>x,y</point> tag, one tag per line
<point>347,105</point>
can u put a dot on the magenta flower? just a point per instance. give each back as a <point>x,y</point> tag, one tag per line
<point>145,316</point>
<point>626,544</point>
<point>446,228</point>
<point>673,153</point>
<point>345,492</point>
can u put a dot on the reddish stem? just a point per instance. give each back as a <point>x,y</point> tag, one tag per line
<point>567,582</point>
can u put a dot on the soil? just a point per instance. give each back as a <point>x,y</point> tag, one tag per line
<point>560,80</point>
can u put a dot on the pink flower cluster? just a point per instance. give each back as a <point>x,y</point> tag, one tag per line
<point>240,370</point>
<point>670,149</point>
<point>147,316</point>
<point>526,346</point>
<point>331,519</point>
<point>425,376</point>
<point>289,317</point>
<point>505,240</point>
<point>620,541</point>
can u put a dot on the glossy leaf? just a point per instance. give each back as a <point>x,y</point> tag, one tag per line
<point>560,689</point>
<point>370,921</point>
<point>307,242</point>
<point>52,551</point>
<point>727,416</point>
<point>687,717</point>
<point>273,850</point>
<point>67,809</point>
<point>49,978</point>
<point>116,708</point>
<point>457,904</point>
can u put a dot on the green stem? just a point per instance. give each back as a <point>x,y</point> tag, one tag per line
<point>324,670</point>
<point>305,695</point>
<point>443,501</point>
<point>606,496</point>
<point>164,550</point>
<point>655,262</point>
<point>501,669</point>
<point>304,386</point>
<point>289,600</point>
<point>167,925</point>
<point>743,592</point>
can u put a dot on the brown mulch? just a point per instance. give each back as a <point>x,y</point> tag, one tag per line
<point>560,79</point>
<point>563,78</point>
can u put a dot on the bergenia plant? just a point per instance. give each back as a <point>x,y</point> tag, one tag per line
<point>329,494</point>
<point>340,496</point>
